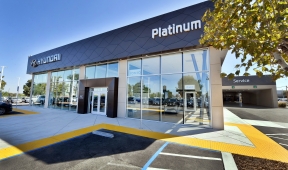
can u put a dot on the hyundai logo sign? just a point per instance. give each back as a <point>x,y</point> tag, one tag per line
<point>46,60</point>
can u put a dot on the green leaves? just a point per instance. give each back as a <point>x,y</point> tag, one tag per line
<point>249,28</point>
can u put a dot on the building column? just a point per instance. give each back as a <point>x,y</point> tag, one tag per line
<point>47,93</point>
<point>31,89</point>
<point>216,59</point>
<point>81,72</point>
<point>122,88</point>
<point>81,77</point>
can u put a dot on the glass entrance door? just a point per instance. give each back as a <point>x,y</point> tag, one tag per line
<point>99,101</point>
<point>190,101</point>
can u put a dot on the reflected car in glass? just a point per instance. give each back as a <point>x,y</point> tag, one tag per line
<point>40,100</point>
<point>16,100</point>
<point>25,99</point>
<point>172,102</point>
<point>132,100</point>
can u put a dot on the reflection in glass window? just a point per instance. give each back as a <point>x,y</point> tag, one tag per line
<point>172,96</point>
<point>39,90</point>
<point>101,71</point>
<point>76,74</point>
<point>90,72</point>
<point>112,70</point>
<point>151,98</point>
<point>133,97</point>
<point>171,63</point>
<point>68,76</point>
<point>63,94</point>
<point>174,88</point>
<point>60,76</point>
<point>151,65</point>
<point>134,68</point>
<point>195,61</point>
<point>196,88</point>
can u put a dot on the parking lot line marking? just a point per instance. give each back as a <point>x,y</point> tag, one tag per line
<point>127,166</point>
<point>190,156</point>
<point>154,156</point>
<point>228,161</point>
<point>278,138</point>
<point>277,134</point>
<point>283,144</point>
<point>156,169</point>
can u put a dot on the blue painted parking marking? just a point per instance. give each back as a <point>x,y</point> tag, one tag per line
<point>154,156</point>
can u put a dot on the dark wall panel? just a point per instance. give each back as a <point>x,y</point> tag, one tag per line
<point>132,40</point>
<point>112,94</point>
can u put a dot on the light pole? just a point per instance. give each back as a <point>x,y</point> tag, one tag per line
<point>17,91</point>
<point>286,93</point>
<point>2,73</point>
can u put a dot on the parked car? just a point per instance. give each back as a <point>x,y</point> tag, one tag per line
<point>132,100</point>
<point>16,100</point>
<point>40,100</point>
<point>3,99</point>
<point>172,102</point>
<point>5,108</point>
<point>25,99</point>
<point>156,101</point>
<point>34,99</point>
<point>65,101</point>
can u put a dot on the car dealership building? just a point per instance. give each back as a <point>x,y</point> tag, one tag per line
<point>153,69</point>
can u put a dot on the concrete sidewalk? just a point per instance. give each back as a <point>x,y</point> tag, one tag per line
<point>22,132</point>
<point>51,122</point>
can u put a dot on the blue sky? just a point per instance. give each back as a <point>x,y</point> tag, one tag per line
<point>31,27</point>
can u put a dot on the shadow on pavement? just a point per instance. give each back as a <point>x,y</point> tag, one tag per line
<point>85,147</point>
<point>12,113</point>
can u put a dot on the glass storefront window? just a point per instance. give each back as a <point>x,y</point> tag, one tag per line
<point>196,91</point>
<point>151,65</point>
<point>68,76</point>
<point>76,74</point>
<point>175,88</point>
<point>134,68</point>
<point>60,76</point>
<point>151,98</point>
<point>171,63</point>
<point>112,70</point>
<point>90,72</point>
<point>172,97</point>
<point>100,71</point>
<point>195,61</point>
<point>133,97</point>
<point>63,94</point>
<point>39,90</point>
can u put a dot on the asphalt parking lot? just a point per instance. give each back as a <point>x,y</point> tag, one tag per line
<point>270,121</point>
<point>124,151</point>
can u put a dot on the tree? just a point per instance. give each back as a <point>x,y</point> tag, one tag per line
<point>39,89</point>
<point>27,87</point>
<point>3,84</point>
<point>189,80</point>
<point>255,30</point>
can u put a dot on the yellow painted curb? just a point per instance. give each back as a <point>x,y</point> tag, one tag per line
<point>24,111</point>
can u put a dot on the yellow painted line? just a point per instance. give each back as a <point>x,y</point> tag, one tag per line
<point>199,120</point>
<point>264,146</point>
<point>22,148</point>
<point>24,111</point>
